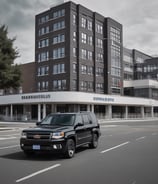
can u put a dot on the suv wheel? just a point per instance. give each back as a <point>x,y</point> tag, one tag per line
<point>94,142</point>
<point>70,148</point>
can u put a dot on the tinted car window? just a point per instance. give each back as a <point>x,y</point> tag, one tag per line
<point>78,119</point>
<point>86,119</point>
<point>59,119</point>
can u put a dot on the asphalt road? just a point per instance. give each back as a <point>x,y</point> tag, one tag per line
<point>127,154</point>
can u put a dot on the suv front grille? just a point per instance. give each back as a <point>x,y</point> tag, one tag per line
<point>38,135</point>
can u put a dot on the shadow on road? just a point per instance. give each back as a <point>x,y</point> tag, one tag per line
<point>39,156</point>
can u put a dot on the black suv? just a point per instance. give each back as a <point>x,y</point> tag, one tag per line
<point>61,132</point>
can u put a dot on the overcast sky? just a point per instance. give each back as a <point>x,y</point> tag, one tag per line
<point>138,17</point>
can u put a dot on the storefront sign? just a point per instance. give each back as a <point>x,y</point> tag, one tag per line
<point>103,99</point>
<point>28,97</point>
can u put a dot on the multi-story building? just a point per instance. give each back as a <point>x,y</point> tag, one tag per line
<point>79,66</point>
<point>78,50</point>
<point>140,74</point>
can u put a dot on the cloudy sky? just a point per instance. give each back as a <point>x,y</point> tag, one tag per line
<point>138,17</point>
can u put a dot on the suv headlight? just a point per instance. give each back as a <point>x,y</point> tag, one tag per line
<point>24,135</point>
<point>57,135</point>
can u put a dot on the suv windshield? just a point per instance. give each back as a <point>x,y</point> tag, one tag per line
<point>59,119</point>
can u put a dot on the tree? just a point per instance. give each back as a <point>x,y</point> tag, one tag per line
<point>10,74</point>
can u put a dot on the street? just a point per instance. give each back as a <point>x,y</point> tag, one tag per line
<point>127,154</point>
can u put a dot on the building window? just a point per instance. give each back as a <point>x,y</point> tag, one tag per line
<point>43,43</point>
<point>83,54</point>
<point>74,36</point>
<point>43,70</point>
<point>43,19</point>
<point>90,86</point>
<point>116,82</point>
<point>83,22</point>
<point>43,56</point>
<point>83,69</point>
<point>59,13</point>
<point>99,43</point>
<point>99,57</point>
<point>74,52</point>
<point>43,30</point>
<point>84,85</point>
<point>116,72</point>
<point>90,40</point>
<point>59,53</point>
<point>59,68</point>
<point>90,56</point>
<point>83,38</point>
<point>90,70</point>
<point>99,71</point>
<point>100,87</point>
<point>74,19</point>
<point>59,25</point>
<point>115,34</point>
<point>43,86</point>
<point>99,28</point>
<point>59,84</point>
<point>59,38</point>
<point>89,25</point>
<point>74,68</point>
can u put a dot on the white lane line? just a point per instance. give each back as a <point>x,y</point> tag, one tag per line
<point>11,135</point>
<point>38,172</point>
<point>108,126</point>
<point>140,138</point>
<point>7,147</point>
<point>6,138</point>
<point>115,147</point>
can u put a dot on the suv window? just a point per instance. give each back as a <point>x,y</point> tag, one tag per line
<point>86,119</point>
<point>59,119</point>
<point>78,119</point>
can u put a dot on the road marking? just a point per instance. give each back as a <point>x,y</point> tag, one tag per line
<point>115,147</point>
<point>38,172</point>
<point>106,136</point>
<point>11,135</point>
<point>108,126</point>
<point>140,138</point>
<point>7,147</point>
<point>6,138</point>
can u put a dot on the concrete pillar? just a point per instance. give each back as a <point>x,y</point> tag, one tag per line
<point>44,111</point>
<point>152,111</point>
<point>142,111</point>
<point>39,112</point>
<point>92,108</point>
<point>126,112</point>
<point>11,112</point>
<point>109,111</point>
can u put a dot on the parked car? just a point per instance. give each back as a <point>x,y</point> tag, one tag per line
<point>62,133</point>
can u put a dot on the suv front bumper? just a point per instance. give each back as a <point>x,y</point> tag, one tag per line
<point>43,145</point>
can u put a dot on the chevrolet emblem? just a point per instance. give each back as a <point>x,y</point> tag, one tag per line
<point>37,136</point>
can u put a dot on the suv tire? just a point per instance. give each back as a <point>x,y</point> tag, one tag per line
<point>94,142</point>
<point>70,148</point>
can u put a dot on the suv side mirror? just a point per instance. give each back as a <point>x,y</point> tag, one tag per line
<point>79,124</point>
